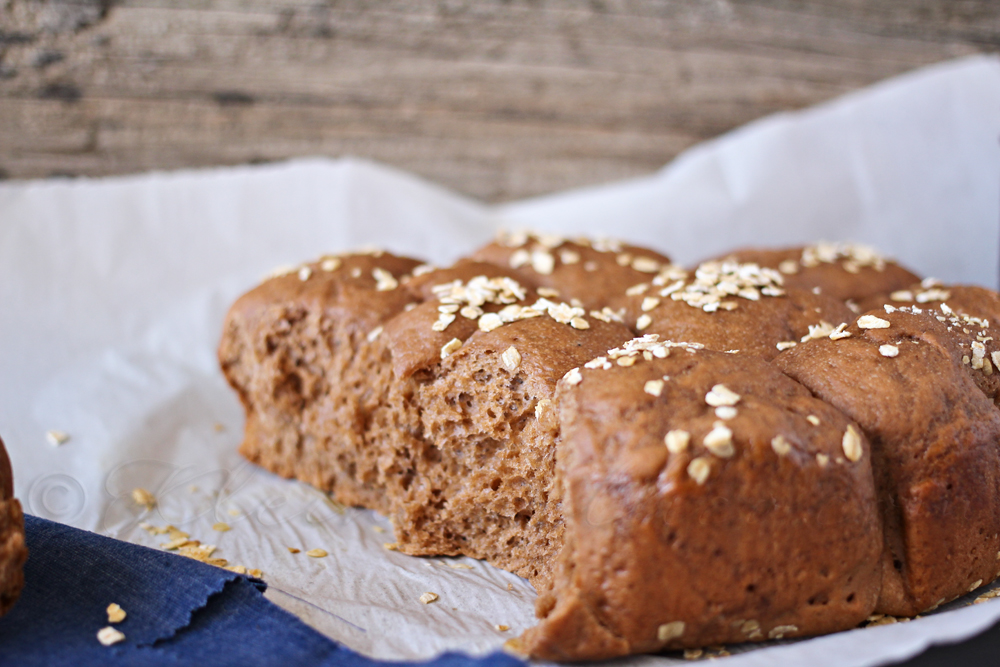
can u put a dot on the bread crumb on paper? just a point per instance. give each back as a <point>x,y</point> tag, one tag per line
<point>56,438</point>
<point>144,498</point>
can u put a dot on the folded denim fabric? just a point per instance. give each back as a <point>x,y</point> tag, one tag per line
<point>179,612</point>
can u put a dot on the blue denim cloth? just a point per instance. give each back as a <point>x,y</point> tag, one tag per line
<point>180,612</point>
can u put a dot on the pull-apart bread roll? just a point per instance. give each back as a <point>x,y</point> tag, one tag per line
<point>908,378</point>
<point>13,551</point>
<point>708,499</point>
<point>591,273</point>
<point>298,351</point>
<point>844,271</point>
<point>728,306</point>
<point>416,391</point>
<point>466,437</point>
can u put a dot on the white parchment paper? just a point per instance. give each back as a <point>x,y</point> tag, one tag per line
<point>112,293</point>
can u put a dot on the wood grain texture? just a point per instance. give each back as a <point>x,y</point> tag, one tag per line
<point>496,99</point>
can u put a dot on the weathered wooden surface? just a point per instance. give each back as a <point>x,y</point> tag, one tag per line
<point>499,99</point>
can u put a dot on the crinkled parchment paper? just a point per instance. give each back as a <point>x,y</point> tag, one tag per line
<point>112,293</point>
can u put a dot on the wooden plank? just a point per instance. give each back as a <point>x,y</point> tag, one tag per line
<point>498,100</point>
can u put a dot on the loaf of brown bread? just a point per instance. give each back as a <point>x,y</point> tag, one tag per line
<point>13,551</point>
<point>659,493</point>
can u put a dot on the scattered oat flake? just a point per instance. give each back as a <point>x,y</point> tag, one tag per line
<point>888,350</point>
<point>293,550</point>
<point>115,613</point>
<point>852,443</point>
<point>573,376</point>
<point>391,546</point>
<point>108,636</point>
<point>429,597</point>
<point>143,497</point>
<point>780,631</point>
<point>725,412</point>
<point>458,566</point>
<point>175,543</point>
<point>721,395</point>
<point>677,441</point>
<point>501,628</point>
<point>653,387</point>
<point>813,419</point>
<point>643,322</point>
<point>331,264</point>
<point>221,527</point>
<point>56,438</point>
<point>511,359</point>
<point>840,332</point>
<point>699,469</point>
<point>238,569</point>
<point>822,460</point>
<point>785,345</point>
<point>872,322</point>
<point>789,267</point>
<point>693,653</point>
<point>719,441</point>
<point>305,273</point>
<point>670,631</point>
<point>317,553</point>
<point>374,334</point>
<point>451,346</point>
<point>233,512</point>
<point>780,445</point>
<point>510,587</point>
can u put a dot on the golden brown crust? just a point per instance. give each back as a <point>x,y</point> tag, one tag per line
<point>13,551</point>
<point>842,271</point>
<point>657,559</point>
<point>934,436</point>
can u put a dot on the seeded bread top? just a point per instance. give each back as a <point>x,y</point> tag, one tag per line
<point>728,306</point>
<point>596,272</point>
<point>844,271</point>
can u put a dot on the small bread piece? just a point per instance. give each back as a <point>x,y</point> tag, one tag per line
<point>844,271</point>
<point>467,441</point>
<point>729,306</point>
<point>594,272</point>
<point>13,552</point>
<point>684,529</point>
<point>905,378</point>
<point>299,351</point>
